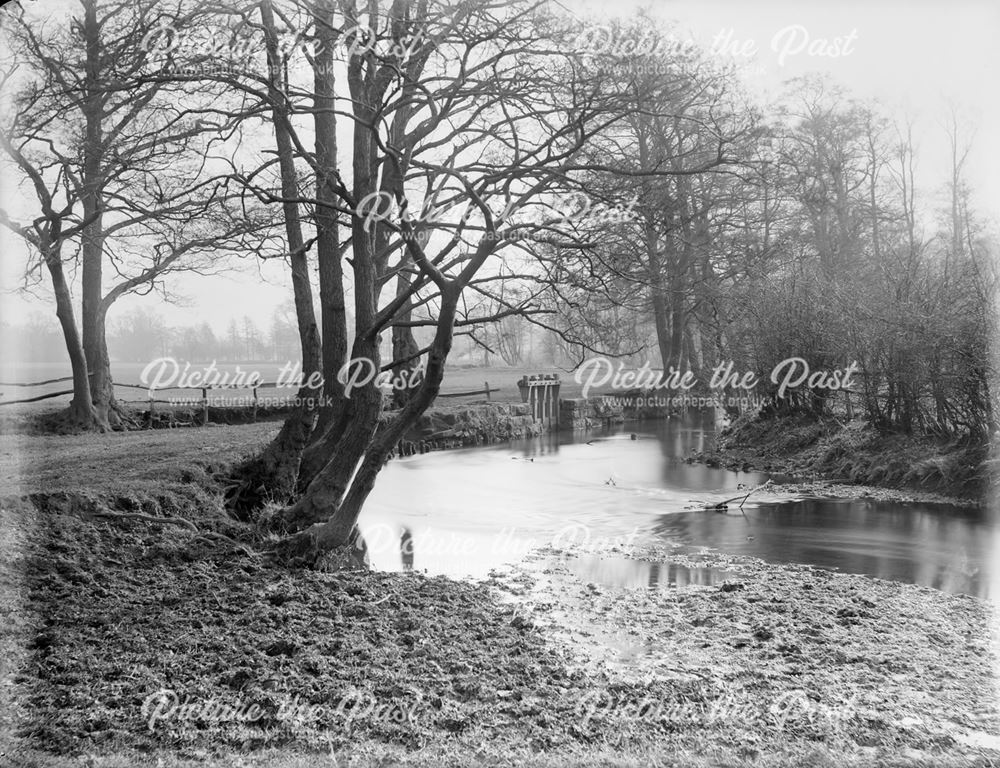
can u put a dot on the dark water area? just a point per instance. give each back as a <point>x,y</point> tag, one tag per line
<point>938,546</point>
<point>464,512</point>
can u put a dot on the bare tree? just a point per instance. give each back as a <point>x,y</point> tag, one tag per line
<point>686,158</point>
<point>93,140</point>
<point>466,120</point>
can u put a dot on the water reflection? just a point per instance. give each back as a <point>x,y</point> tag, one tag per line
<point>626,573</point>
<point>933,545</point>
<point>406,549</point>
<point>464,512</point>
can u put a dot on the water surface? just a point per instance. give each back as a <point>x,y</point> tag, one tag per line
<point>464,512</point>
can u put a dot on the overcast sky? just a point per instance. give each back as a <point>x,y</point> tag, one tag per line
<point>916,58</point>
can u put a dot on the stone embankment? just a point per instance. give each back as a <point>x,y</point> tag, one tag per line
<point>487,423</point>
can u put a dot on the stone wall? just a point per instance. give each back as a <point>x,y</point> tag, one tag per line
<point>486,423</point>
<point>461,426</point>
<point>587,413</point>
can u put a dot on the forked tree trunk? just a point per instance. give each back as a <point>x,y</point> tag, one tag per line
<point>331,461</point>
<point>338,452</point>
<point>323,444</point>
<point>323,495</point>
<point>327,541</point>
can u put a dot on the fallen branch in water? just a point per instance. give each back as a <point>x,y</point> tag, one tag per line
<point>725,504</point>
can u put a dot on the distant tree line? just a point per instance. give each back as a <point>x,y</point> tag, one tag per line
<point>818,245</point>
<point>142,335</point>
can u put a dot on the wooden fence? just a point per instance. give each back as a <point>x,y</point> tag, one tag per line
<point>35,399</point>
<point>203,402</point>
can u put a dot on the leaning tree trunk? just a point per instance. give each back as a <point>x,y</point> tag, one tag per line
<point>344,450</point>
<point>355,439</point>
<point>345,443</point>
<point>271,475</point>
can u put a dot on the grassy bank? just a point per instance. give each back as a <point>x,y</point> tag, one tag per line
<point>807,447</point>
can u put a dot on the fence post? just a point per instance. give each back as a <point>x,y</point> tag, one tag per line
<point>487,391</point>
<point>255,403</point>
<point>152,405</point>
<point>204,406</point>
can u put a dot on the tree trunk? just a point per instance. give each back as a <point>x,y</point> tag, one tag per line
<point>95,348</point>
<point>81,412</point>
<point>677,320</point>
<point>328,254</point>
<point>342,447</point>
<point>344,450</point>
<point>404,347</point>
<point>271,475</point>
<point>335,535</point>
<point>692,346</point>
<point>661,318</point>
<point>92,242</point>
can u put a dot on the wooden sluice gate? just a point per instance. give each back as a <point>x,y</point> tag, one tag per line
<point>541,392</point>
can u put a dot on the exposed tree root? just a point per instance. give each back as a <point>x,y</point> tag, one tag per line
<point>73,420</point>
<point>149,519</point>
<point>242,548</point>
<point>180,521</point>
<point>271,475</point>
<point>306,550</point>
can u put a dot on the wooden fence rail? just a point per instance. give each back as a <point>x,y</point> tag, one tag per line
<point>37,398</point>
<point>485,391</point>
<point>36,383</point>
<point>204,392</point>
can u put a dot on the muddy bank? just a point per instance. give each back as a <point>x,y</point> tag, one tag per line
<point>853,460</point>
<point>879,667</point>
<point>116,617</point>
<point>140,638</point>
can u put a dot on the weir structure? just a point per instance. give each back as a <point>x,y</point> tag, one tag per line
<point>541,392</point>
